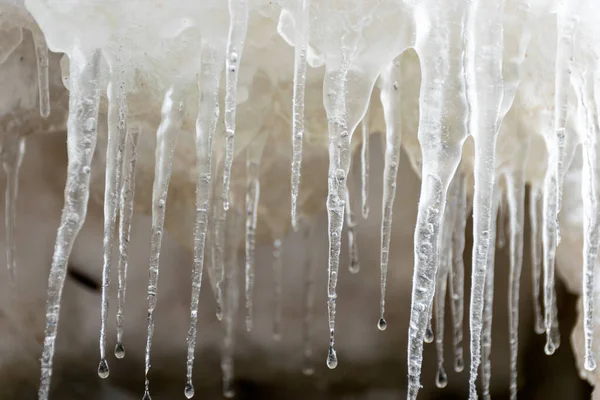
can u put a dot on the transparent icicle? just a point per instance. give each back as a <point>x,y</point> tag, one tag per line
<point>206,124</point>
<point>429,336</point>
<point>41,54</point>
<point>484,83</point>
<point>300,51</point>
<point>364,164</point>
<point>536,261</point>
<point>125,218</point>
<point>13,150</point>
<point>457,273</point>
<point>391,102</point>
<point>488,303</point>
<point>238,26</point>
<point>117,133</point>
<point>441,139</point>
<point>172,114</point>
<point>515,182</point>
<point>219,219</point>
<point>231,304</point>
<point>590,193</point>
<point>253,155</point>
<point>308,303</point>
<point>278,286</point>
<point>353,261</point>
<point>84,99</point>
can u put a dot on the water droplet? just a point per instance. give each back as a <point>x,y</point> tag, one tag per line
<point>459,364</point>
<point>429,335</point>
<point>229,394</point>
<point>549,349</point>
<point>590,363</point>
<point>332,360</point>
<point>146,396</point>
<point>382,324</point>
<point>103,371</point>
<point>441,379</point>
<point>189,391</point>
<point>119,351</point>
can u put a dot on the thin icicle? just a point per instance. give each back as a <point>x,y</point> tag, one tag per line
<point>353,261</point>
<point>41,53</point>
<point>219,219</point>
<point>300,51</point>
<point>488,304</point>
<point>84,99</point>
<point>457,273</point>
<point>309,300</point>
<point>206,124</point>
<point>391,102</point>
<point>428,338</point>
<point>253,155</point>
<point>125,218</point>
<point>590,193</point>
<point>166,137</point>
<point>515,183</point>
<point>13,150</point>
<point>117,132</point>
<point>231,304</point>
<point>278,286</point>
<point>238,25</point>
<point>501,223</point>
<point>536,262</point>
<point>364,164</point>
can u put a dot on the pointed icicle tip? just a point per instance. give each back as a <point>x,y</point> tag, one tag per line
<point>332,360</point>
<point>189,391</point>
<point>382,324</point>
<point>103,370</point>
<point>119,351</point>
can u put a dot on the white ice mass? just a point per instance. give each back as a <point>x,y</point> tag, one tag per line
<point>508,103</point>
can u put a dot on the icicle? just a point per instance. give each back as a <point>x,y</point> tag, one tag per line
<point>428,338</point>
<point>364,163</point>
<point>300,51</point>
<point>253,155</point>
<point>501,230</point>
<point>278,285</point>
<point>309,300</point>
<point>13,150</point>
<point>353,263</point>
<point>536,262</point>
<point>41,53</point>
<point>166,137</point>
<point>515,183</point>
<point>391,102</point>
<point>484,89</point>
<point>231,304</point>
<point>238,25</point>
<point>81,127</point>
<point>125,218</point>
<point>457,273</point>
<point>590,193</point>
<point>219,219</point>
<point>488,304</point>
<point>117,132</point>
<point>441,140</point>
<point>206,123</point>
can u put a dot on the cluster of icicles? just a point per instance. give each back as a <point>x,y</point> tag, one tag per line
<point>464,67</point>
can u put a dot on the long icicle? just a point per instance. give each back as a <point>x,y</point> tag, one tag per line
<point>515,182</point>
<point>278,286</point>
<point>488,303</point>
<point>206,123</point>
<point>590,193</point>
<point>117,133</point>
<point>84,99</point>
<point>41,54</point>
<point>300,51</point>
<point>536,262</point>
<point>238,26</point>
<point>457,274</point>
<point>365,163</point>
<point>308,303</point>
<point>392,104</point>
<point>353,261</point>
<point>13,150</point>
<point>125,218</point>
<point>166,137</point>
<point>254,153</point>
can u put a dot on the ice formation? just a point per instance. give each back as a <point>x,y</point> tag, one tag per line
<point>496,76</point>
